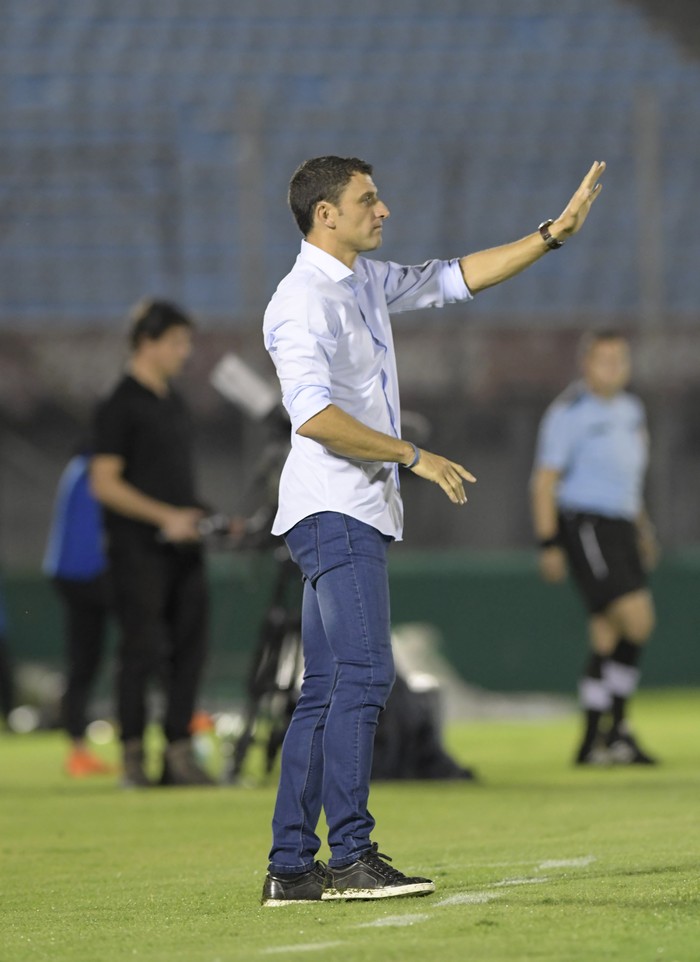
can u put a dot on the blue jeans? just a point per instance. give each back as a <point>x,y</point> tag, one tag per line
<point>348,674</point>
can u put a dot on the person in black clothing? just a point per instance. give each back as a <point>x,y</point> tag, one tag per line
<point>76,563</point>
<point>7,688</point>
<point>142,472</point>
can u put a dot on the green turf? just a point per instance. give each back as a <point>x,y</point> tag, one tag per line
<point>89,872</point>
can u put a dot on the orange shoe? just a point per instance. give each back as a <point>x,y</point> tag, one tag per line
<point>81,764</point>
<point>201,723</point>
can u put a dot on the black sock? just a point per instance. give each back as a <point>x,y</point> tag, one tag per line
<point>594,698</point>
<point>591,730</point>
<point>627,653</point>
<point>621,676</point>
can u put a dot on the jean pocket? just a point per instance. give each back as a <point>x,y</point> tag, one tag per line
<point>302,542</point>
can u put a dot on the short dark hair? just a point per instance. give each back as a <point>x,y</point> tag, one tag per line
<point>321,178</point>
<point>591,339</point>
<point>149,320</point>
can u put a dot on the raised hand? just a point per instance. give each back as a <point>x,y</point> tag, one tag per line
<point>571,219</point>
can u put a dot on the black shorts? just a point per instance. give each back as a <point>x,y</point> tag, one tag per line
<point>603,557</point>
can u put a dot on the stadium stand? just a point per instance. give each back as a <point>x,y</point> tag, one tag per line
<point>147,145</point>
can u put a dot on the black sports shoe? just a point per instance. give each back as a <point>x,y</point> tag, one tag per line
<point>624,750</point>
<point>180,766</point>
<point>293,889</point>
<point>371,878</point>
<point>595,754</point>
<point>134,775</point>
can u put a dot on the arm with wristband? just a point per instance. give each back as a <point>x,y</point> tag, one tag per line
<point>345,435</point>
<point>552,560</point>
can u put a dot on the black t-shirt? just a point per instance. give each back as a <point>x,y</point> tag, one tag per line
<point>153,435</point>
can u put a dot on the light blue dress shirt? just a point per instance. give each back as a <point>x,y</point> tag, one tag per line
<point>600,447</point>
<point>328,332</point>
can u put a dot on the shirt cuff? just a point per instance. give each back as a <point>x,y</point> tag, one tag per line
<point>303,403</point>
<point>453,284</point>
<point>550,463</point>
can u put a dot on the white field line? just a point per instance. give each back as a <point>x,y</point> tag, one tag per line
<point>566,863</point>
<point>479,898</point>
<point>394,920</point>
<point>310,947</point>
<point>579,862</point>
<point>518,881</point>
<point>528,861</point>
<point>468,898</point>
<point>460,898</point>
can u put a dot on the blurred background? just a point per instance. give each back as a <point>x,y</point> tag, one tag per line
<point>146,150</point>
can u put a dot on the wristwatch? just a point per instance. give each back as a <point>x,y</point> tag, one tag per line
<point>551,242</point>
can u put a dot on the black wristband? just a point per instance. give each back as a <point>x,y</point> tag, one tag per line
<point>552,542</point>
<point>551,242</point>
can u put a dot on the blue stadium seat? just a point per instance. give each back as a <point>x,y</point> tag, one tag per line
<point>122,117</point>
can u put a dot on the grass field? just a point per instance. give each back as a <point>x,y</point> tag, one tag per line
<point>539,862</point>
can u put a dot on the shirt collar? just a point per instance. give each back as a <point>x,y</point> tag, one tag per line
<point>592,397</point>
<point>331,266</point>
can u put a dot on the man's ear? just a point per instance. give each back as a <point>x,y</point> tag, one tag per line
<point>325,215</point>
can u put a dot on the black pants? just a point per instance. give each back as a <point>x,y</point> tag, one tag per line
<point>7,693</point>
<point>161,601</point>
<point>86,607</point>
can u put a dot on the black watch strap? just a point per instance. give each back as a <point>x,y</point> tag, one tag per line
<point>551,242</point>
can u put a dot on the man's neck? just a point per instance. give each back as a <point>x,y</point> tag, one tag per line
<point>327,244</point>
<point>602,395</point>
<point>146,375</point>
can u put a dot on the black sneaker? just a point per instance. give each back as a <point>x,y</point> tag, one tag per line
<point>624,750</point>
<point>595,754</point>
<point>180,766</point>
<point>134,775</point>
<point>371,878</point>
<point>293,889</point>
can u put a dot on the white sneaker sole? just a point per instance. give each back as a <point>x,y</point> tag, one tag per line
<point>269,903</point>
<point>390,891</point>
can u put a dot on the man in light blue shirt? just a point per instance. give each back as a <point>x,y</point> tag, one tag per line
<point>328,332</point>
<point>588,510</point>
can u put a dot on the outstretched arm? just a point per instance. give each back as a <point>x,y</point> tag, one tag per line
<point>486,268</point>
